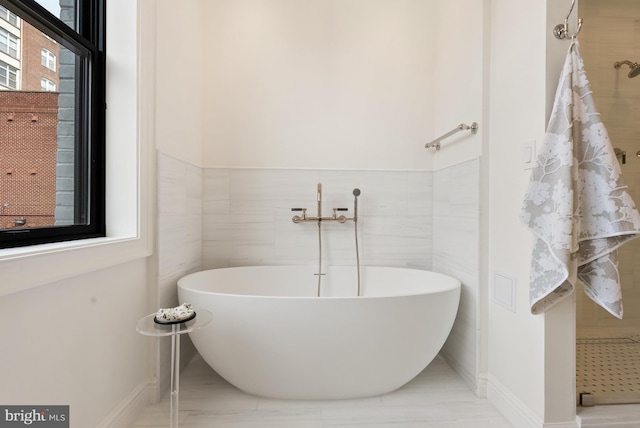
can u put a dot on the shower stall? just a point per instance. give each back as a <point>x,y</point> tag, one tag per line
<point>608,349</point>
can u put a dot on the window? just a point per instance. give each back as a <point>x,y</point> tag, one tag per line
<point>10,17</point>
<point>52,168</point>
<point>8,76</point>
<point>8,43</point>
<point>48,59</point>
<point>47,85</point>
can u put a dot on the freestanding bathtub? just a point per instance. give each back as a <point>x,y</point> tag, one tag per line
<point>272,336</point>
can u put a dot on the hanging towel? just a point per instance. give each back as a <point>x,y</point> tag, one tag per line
<point>576,204</point>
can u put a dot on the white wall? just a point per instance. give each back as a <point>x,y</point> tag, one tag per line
<point>516,357</point>
<point>180,79</point>
<point>531,362</point>
<point>460,75</point>
<point>74,343</point>
<point>318,84</point>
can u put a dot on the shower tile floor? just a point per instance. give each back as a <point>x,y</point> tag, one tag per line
<point>609,368</point>
<point>436,398</point>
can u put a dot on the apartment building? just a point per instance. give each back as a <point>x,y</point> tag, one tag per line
<point>29,84</point>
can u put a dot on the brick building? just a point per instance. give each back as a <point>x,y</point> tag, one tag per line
<point>29,105</point>
<point>39,60</point>
<point>28,146</point>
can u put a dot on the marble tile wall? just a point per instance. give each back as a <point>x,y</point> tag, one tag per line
<point>456,252</point>
<point>179,223</point>
<point>247,217</point>
<point>179,242</point>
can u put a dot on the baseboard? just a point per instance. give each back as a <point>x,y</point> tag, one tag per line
<point>483,381</point>
<point>125,414</point>
<point>514,410</point>
<point>563,425</point>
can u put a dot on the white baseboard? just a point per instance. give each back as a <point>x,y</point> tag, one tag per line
<point>562,425</point>
<point>483,381</point>
<point>515,411</point>
<point>125,414</point>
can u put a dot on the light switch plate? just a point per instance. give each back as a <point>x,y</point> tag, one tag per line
<point>529,154</point>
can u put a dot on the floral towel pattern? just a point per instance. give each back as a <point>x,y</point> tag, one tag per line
<point>577,204</point>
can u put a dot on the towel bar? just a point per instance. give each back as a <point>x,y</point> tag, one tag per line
<point>435,144</point>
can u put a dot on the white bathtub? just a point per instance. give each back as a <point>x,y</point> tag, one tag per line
<point>271,336</point>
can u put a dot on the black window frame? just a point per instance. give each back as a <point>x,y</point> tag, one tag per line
<point>89,38</point>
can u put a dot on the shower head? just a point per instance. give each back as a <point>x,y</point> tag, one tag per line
<point>633,66</point>
<point>356,192</point>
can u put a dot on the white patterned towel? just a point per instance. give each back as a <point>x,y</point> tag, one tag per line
<point>577,204</point>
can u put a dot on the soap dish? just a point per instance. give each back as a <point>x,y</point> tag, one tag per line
<point>179,314</point>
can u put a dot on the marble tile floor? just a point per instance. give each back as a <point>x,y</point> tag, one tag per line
<point>436,398</point>
<point>612,416</point>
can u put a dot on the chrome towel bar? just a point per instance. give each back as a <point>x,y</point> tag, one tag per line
<point>435,144</point>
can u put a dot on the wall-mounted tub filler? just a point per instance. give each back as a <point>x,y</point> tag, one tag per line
<point>319,218</point>
<point>335,217</point>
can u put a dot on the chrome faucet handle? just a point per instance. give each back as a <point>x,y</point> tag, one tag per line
<point>297,218</point>
<point>341,218</point>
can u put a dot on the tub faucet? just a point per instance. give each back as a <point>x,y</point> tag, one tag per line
<point>319,218</point>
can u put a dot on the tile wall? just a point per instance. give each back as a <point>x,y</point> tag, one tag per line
<point>179,242</point>
<point>456,252</point>
<point>611,33</point>
<point>247,217</point>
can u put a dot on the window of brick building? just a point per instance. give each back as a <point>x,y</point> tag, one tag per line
<point>8,76</point>
<point>47,85</point>
<point>8,43</point>
<point>52,121</point>
<point>48,59</point>
<point>8,16</point>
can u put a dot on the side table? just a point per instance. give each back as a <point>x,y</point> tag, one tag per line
<point>148,327</point>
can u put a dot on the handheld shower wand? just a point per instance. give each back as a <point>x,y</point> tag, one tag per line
<point>356,193</point>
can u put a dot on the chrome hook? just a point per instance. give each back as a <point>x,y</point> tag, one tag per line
<point>561,31</point>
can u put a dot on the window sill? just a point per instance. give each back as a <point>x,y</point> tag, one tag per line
<point>29,267</point>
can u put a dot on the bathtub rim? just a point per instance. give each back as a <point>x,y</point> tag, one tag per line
<point>451,285</point>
